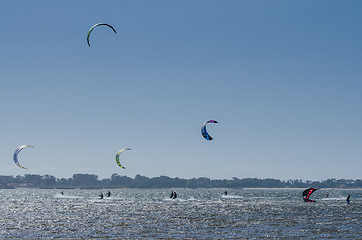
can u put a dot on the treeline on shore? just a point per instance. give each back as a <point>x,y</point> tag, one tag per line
<point>117,181</point>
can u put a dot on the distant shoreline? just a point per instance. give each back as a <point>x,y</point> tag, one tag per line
<point>92,181</point>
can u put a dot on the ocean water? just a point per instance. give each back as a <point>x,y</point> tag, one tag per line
<point>195,214</point>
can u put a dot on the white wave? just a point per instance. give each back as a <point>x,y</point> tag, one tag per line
<point>59,195</point>
<point>113,198</point>
<point>175,199</point>
<point>232,196</point>
<point>334,199</point>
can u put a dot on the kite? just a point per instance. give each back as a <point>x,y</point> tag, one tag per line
<point>204,133</point>
<point>17,151</point>
<point>96,25</point>
<point>117,157</point>
<point>307,193</point>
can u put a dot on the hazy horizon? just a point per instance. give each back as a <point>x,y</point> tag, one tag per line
<point>133,177</point>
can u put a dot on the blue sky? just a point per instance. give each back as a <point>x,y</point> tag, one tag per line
<point>283,78</point>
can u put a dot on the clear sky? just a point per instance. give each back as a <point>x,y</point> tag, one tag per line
<point>283,78</point>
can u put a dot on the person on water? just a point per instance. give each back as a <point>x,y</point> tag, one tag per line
<point>101,195</point>
<point>348,199</point>
<point>62,193</point>
<point>109,194</point>
<point>225,193</point>
<point>327,195</point>
<point>173,195</point>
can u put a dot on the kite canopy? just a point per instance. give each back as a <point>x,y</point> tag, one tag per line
<point>96,25</point>
<point>17,151</point>
<point>117,157</point>
<point>307,193</point>
<point>204,133</point>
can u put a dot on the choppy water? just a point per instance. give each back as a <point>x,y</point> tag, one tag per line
<point>196,214</point>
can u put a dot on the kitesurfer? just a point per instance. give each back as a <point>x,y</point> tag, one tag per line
<point>101,195</point>
<point>109,194</point>
<point>173,195</point>
<point>348,199</point>
<point>62,193</point>
<point>225,193</point>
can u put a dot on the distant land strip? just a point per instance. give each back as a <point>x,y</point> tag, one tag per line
<point>90,181</point>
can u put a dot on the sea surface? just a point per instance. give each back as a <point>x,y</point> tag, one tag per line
<point>195,214</point>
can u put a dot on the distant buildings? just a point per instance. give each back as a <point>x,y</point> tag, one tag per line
<point>20,185</point>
